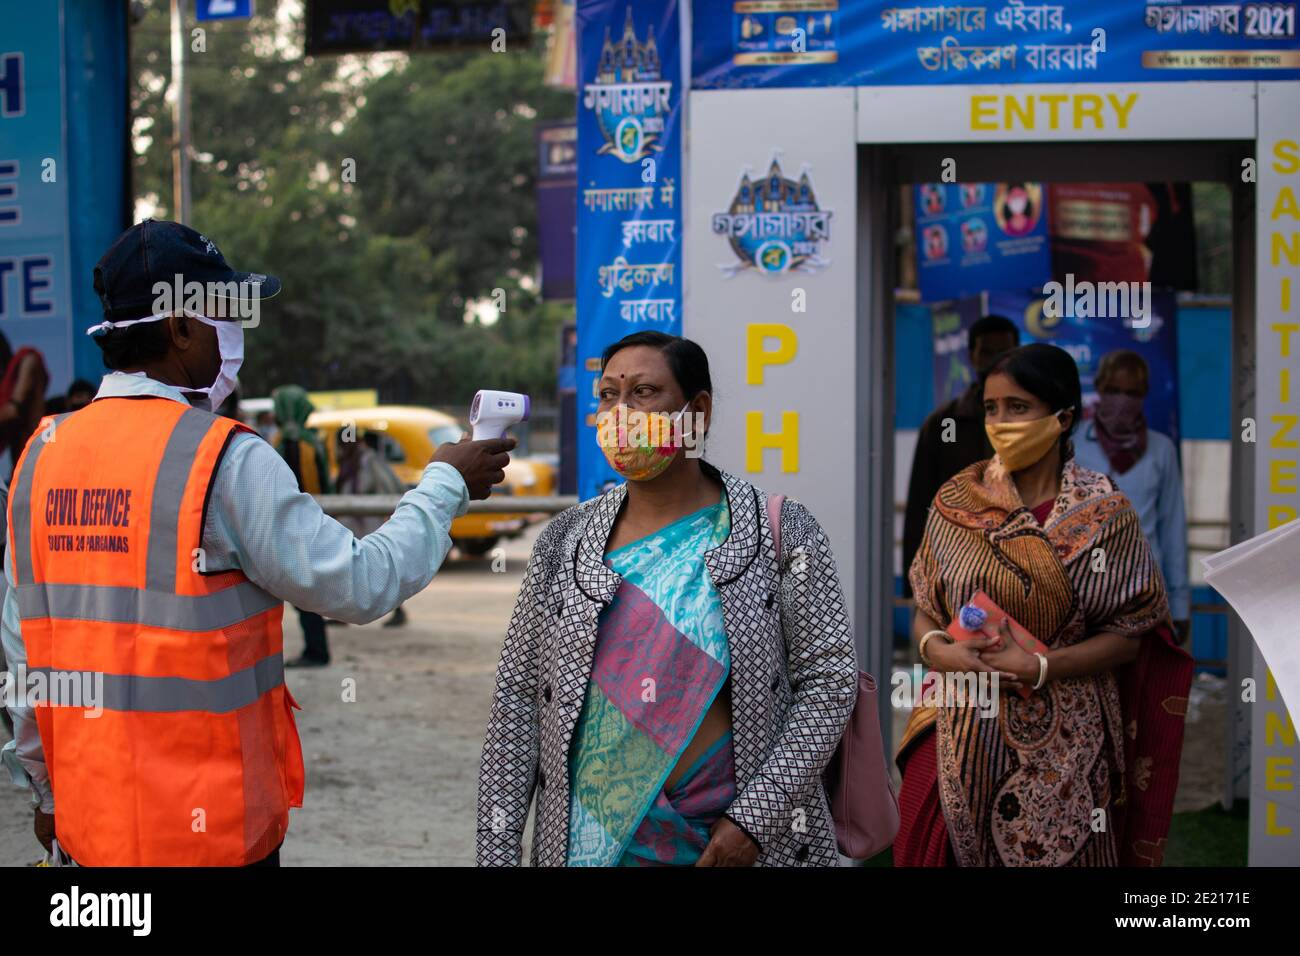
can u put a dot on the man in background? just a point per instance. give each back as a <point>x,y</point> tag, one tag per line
<point>1143,463</point>
<point>302,451</point>
<point>264,424</point>
<point>79,394</point>
<point>943,449</point>
<point>363,471</point>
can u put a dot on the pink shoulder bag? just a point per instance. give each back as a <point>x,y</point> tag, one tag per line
<point>857,779</point>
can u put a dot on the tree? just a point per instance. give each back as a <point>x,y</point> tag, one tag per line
<point>445,154</point>
<point>377,272</point>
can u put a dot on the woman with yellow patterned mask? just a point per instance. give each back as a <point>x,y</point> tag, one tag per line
<point>1060,551</point>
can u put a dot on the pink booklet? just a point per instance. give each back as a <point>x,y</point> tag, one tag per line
<point>982,612</point>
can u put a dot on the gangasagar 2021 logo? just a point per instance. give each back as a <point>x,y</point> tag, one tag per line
<point>628,97</point>
<point>774,225</point>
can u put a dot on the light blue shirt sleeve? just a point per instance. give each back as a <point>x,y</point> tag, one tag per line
<point>258,521</point>
<point>1171,517</point>
<point>23,756</point>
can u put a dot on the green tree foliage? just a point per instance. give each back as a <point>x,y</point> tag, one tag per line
<point>378,273</point>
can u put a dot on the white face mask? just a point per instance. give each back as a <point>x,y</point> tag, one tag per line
<point>230,345</point>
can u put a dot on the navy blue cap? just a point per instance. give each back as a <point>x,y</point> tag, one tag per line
<point>155,251</point>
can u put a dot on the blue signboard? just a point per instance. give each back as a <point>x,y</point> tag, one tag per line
<point>355,26</point>
<point>35,257</point>
<point>976,236</point>
<point>629,175</point>
<point>1088,339</point>
<point>754,43</point>
<point>223,9</point>
<point>949,324</point>
<point>557,184</point>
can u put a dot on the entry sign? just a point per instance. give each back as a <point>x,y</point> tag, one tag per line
<point>223,9</point>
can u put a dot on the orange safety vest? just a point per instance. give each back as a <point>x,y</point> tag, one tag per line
<point>194,759</point>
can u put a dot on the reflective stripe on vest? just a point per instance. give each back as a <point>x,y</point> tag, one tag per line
<point>170,695</point>
<point>192,718</point>
<point>181,612</point>
<point>173,473</point>
<point>20,500</point>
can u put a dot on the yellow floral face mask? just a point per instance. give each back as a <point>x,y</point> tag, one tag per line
<point>1021,444</point>
<point>639,445</point>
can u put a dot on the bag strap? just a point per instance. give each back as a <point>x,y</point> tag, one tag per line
<point>774,503</point>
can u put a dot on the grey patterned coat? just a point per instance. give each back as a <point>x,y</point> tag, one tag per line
<point>793,679</point>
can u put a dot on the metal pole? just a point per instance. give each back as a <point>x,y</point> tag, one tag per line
<point>180,119</point>
<point>874,463</point>
<point>381,506</point>
<point>1241,490</point>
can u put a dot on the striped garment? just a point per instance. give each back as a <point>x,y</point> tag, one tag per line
<point>1025,788</point>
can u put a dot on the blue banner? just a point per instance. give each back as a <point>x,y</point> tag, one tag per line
<point>1088,339</point>
<point>629,173</point>
<point>754,43</point>
<point>35,255</point>
<point>976,236</point>
<point>97,71</point>
<point>357,26</point>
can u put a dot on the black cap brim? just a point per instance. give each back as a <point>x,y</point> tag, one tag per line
<point>263,286</point>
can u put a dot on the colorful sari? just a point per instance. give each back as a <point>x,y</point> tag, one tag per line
<point>1023,789</point>
<point>661,658</point>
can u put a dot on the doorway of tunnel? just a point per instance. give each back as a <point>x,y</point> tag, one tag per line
<point>912,357</point>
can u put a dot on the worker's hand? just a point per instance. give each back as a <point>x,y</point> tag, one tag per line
<point>43,826</point>
<point>481,463</point>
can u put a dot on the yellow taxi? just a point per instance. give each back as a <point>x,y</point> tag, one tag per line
<point>407,437</point>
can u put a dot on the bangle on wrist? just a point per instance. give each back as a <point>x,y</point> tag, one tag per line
<point>1042,671</point>
<point>925,638</point>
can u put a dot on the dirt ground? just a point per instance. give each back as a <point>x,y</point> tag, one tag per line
<point>391,777</point>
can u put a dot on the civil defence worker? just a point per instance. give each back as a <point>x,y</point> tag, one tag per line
<point>152,545</point>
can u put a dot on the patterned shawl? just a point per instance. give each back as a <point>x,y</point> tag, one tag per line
<point>1023,789</point>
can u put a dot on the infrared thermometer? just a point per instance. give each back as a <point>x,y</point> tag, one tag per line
<point>493,412</point>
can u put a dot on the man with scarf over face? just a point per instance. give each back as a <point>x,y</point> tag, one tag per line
<point>152,545</point>
<point>1143,463</point>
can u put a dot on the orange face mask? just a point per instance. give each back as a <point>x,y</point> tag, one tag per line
<point>1021,444</point>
